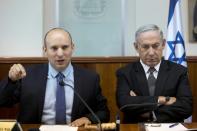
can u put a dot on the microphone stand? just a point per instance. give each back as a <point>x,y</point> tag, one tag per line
<point>130,105</point>
<point>138,104</point>
<point>117,122</point>
<point>86,105</point>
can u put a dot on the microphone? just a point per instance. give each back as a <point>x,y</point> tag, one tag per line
<point>61,83</point>
<point>132,105</point>
<point>137,104</point>
<point>117,122</point>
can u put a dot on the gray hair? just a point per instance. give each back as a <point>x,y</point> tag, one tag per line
<point>149,27</point>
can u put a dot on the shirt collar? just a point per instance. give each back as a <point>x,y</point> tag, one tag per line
<point>146,67</point>
<point>53,72</point>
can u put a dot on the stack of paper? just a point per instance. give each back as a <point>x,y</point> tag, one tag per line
<point>165,127</point>
<point>57,128</point>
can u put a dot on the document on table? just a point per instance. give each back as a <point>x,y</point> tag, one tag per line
<point>165,127</point>
<point>57,128</point>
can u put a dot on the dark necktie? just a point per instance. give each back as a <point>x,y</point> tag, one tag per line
<point>151,81</point>
<point>60,101</point>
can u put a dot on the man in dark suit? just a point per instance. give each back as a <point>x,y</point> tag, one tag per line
<point>153,80</point>
<point>36,87</point>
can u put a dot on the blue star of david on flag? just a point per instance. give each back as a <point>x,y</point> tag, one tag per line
<point>175,46</point>
<point>177,43</point>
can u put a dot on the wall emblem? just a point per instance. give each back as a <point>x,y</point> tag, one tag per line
<point>89,8</point>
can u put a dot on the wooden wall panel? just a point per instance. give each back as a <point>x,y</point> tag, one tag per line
<point>192,70</point>
<point>106,67</point>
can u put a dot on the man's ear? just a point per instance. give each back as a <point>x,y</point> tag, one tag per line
<point>135,45</point>
<point>164,43</point>
<point>73,45</point>
<point>44,50</point>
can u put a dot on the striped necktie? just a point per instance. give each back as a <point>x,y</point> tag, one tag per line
<point>151,81</point>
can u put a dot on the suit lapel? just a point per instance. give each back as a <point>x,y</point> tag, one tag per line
<point>161,79</point>
<point>141,79</point>
<point>77,84</point>
<point>42,80</point>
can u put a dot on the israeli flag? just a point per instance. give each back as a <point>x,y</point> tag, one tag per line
<point>175,45</point>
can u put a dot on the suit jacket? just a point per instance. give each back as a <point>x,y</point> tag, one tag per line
<point>30,92</point>
<point>172,81</point>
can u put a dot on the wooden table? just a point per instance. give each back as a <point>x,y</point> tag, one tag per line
<point>123,127</point>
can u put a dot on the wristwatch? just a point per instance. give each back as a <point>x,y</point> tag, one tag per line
<point>167,98</point>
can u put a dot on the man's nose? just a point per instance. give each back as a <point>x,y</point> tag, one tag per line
<point>60,52</point>
<point>151,51</point>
